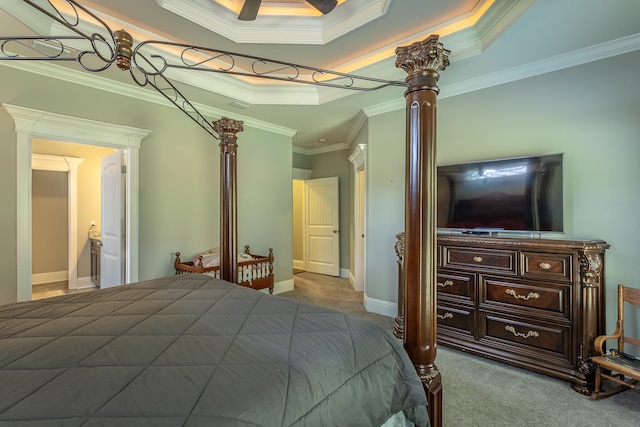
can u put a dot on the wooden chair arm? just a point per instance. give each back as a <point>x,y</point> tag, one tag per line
<point>599,342</point>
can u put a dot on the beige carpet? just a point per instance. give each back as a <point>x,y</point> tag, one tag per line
<point>481,393</point>
<point>333,292</point>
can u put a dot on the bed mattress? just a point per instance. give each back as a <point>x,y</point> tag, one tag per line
<point>192,350</point>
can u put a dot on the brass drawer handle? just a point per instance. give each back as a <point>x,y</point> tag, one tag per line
<point>544,265</point>
<point>447,315</point>
<point>520,334</point>
<point>477,259</point>
<point>513,293</point>
<point>446,283</point>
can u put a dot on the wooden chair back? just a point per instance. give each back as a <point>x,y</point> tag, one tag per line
<point>632,296</point>
<point>619,369</point>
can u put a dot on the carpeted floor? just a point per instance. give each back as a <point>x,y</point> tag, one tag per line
<point>478,392</point>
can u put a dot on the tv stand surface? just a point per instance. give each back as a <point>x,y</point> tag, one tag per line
<point>533,303</point>
<point>480,233</point>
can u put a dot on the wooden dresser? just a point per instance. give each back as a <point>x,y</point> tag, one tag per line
<point>533,303</point>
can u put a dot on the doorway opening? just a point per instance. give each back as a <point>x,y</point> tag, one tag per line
<point>30,124</point>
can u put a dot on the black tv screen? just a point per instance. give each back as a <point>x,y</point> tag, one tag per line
<point>518,194</point>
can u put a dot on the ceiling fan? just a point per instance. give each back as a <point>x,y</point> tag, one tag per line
<point>250,8</point>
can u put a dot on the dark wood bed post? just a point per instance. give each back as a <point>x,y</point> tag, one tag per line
<point>422,61</point>
<point>228,130</point>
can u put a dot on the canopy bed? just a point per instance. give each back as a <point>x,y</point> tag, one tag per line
<point>101,328</point>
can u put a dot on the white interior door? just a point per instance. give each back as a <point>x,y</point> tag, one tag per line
<point>322,233</point>
<point>358,284</point>
<point>112,258</point>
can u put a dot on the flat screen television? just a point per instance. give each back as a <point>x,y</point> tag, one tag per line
<point>518,194</point>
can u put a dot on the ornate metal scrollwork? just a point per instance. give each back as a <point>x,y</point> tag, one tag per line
<point>206,59</point>
<point>81,47</point>
<point>149,61</point>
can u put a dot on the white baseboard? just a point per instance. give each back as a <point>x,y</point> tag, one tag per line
<point>84,283</point>
<point>53,276</point>
<point>378,306</point>
<point>344,273</point>
<point>298,263</point>
<point>282,286</point>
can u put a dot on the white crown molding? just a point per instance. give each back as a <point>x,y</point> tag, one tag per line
<point>559,62</point>
<point>357,124</point>
<point>320,150</point>
<point>605,50</point>
<point>148,95</point>
<point>314,30</point>
<point>30,16</point>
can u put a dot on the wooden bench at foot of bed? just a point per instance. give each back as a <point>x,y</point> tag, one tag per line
<point>255,273</point>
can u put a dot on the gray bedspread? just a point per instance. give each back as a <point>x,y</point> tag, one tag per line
<point>192,350</point>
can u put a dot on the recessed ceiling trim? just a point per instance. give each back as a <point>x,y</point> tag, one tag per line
<point>269,29</point>
<point>489,18</point>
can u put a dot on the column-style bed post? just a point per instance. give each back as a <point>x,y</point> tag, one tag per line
<point>228,130</point>
<point>422,61</point>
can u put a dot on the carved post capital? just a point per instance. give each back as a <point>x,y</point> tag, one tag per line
<point>228,129</point>
<point>124,44</point>
<point>423,58</point>
<point>590,266</point>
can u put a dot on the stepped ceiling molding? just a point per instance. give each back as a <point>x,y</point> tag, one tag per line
<point>493,42</point>
<point>466,34</point>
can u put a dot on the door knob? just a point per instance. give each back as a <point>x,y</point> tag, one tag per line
<point>335,231</point>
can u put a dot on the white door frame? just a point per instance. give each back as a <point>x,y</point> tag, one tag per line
<point>70,166</point>
<point>359,161</point>
<point>29,124</point>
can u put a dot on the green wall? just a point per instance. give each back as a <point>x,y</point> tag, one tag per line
<point>590,113</point>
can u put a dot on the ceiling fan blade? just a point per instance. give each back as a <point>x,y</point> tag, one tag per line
<point>249,10</point>
<point>324,6</point>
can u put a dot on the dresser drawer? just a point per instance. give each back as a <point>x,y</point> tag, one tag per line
<point>456,285</point>
<point>546,266</point>
<point>479,259</point>
<point>529,336</point>
<point>459,319</point>
<point>545,299</point>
